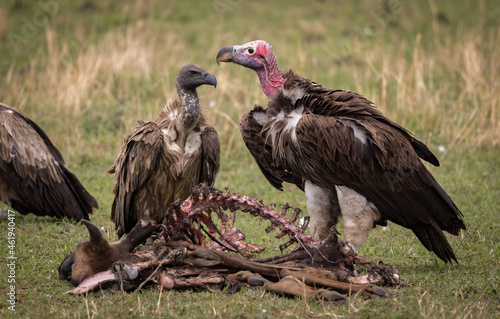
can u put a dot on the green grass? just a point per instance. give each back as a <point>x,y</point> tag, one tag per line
<point>89,70</point>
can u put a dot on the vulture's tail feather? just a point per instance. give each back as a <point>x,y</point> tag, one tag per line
<point>80,201</point>
<point>432,237</point>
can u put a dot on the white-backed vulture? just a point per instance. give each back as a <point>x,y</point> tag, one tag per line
<point>33,178</point>
<point>350,159</point>
<point>161,161</point>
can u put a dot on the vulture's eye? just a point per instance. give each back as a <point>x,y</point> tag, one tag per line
<point>192,72</point>
<point>251,51</point>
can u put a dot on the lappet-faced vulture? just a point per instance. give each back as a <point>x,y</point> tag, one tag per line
<point>349,158</point>
<point>33,177</point>
<point>161,161</point>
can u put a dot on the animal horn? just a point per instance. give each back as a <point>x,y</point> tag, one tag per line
<point>96,237</point>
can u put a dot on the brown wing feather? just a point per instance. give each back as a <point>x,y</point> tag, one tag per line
<point>135,164</point>
<point>33,178</point>
<point>210,156</point>
<point>262,152</point>
<point>350,105</point>
<point>382,164</point>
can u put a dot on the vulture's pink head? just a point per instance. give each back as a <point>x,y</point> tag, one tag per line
<point>258,56</point>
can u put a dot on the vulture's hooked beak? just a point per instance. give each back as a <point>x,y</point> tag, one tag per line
<point>225,55</point>
<point>210,79</point>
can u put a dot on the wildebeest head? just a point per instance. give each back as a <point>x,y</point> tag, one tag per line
<point>97,254</point>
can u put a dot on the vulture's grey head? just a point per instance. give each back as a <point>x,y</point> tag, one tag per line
<point>258,56</point>
<point>254,55</point>
<point>192,76</point>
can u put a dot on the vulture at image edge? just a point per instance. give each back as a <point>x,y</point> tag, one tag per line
<point>348,158</point>
<point>161,161</point>
<point>33,178</point>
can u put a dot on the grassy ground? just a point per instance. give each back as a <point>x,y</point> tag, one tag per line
<point>85,71</point>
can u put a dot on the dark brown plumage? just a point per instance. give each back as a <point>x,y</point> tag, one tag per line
<point>346,155</point>
<point>161,161</point>
<point>33,177</point>
<point>262,151</point>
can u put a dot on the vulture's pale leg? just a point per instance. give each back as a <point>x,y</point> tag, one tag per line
<point>323,208</point>
<point>358,216</point>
